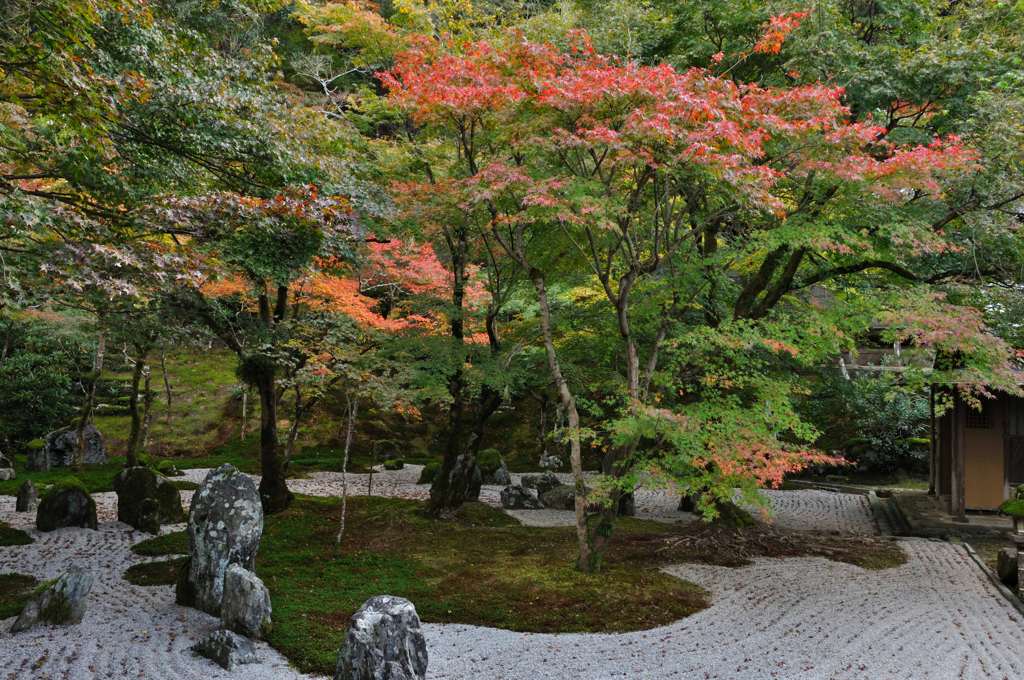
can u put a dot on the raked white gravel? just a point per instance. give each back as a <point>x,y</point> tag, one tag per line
<point>936,617</point>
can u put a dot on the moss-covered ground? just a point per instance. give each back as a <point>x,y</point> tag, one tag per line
<point>481,567</point>
<point>10,536</point>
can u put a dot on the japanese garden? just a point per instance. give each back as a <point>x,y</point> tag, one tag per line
<point>511,339</point>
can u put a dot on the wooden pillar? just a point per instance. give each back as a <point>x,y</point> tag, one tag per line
<point>933,449</point>
<point>959,508</point>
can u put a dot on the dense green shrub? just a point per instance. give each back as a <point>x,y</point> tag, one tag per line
<point>40,369</point>
<point>489,461</point>
<point>872,421</point>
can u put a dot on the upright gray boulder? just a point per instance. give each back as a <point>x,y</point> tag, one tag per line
<point>66,505</point>
<point>384,642</point>
<point>246,607</point>
<point>28,497</point>
<point>59,449</point>
<point>145,499</point>
<point>225,524</point>
<point>60,603</point>
<point>7,474</point>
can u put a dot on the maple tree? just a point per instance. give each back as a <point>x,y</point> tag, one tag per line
<point>674,187</point>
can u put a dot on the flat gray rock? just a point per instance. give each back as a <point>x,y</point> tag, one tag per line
<point>227,649</point>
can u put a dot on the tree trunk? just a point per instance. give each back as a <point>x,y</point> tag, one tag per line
<point>147,406</point>
<point>458,480</point>
<point>135,434</point>
<point>273,488</point>
<point>90,401</point>
<point>351,409</point>
<point>586,561</point>
<point>167,384</point>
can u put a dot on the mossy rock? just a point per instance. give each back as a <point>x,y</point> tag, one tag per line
<point>145,499</point>
<point>35,444</point>
<point>64,484</point>
<point>66,504</point>
<point>394,464</point>
<point>429,472</point>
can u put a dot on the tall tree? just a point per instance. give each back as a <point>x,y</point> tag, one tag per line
<point>667,183</point>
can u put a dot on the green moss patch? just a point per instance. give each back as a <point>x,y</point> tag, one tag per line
<point>174,543</point>
<point>9,536</point>
<point>160,573</point>
<point>15,590</point>
<point>478,567</point>
<point>93,478</point>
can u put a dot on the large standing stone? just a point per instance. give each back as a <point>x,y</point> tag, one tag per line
<point>246,607</point>
<point>66,506</point>
<point>226,649</point>
<point>384,642</point>
<point>225,524</point>
<point>517,498</point>
<point>60,603</point>
<point>59,449</point>
<point>28,497</point>
<point>145,499</point>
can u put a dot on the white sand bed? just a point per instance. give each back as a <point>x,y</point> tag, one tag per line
<point>128,631</point>
<point>936,617</point>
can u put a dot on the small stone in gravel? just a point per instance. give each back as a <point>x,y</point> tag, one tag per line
<point>384,642</point>
<point>227,649</point>
<point>27,497</point>
<point>515,497</point>
<point>246,608</point>
<point>61,603</point>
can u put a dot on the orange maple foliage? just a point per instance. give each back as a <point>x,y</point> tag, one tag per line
<point>777,30</point>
